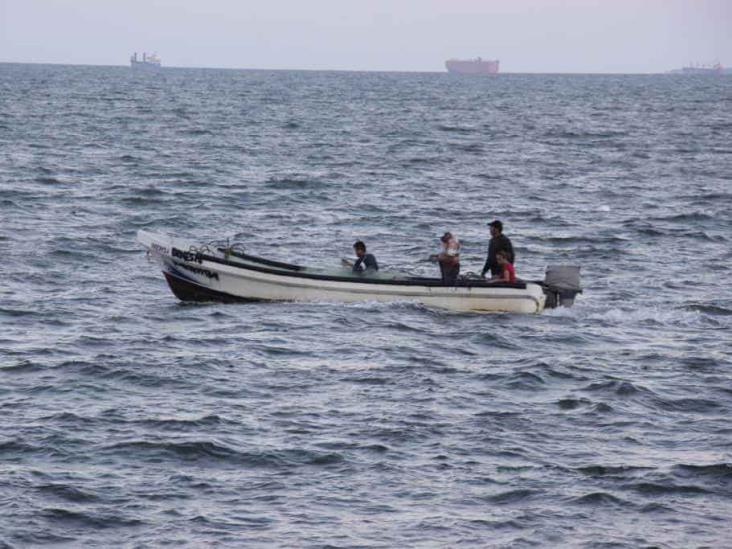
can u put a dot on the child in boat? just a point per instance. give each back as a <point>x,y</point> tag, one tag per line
<point>508,273</point>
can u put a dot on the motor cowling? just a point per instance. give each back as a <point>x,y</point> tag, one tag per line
<point>561,285</point>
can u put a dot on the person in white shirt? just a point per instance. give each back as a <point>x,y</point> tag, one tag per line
<point>449,259</point>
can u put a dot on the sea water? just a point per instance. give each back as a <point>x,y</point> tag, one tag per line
<point>130,419</point>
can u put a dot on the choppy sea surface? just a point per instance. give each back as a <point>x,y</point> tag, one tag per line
<point>130,419</point>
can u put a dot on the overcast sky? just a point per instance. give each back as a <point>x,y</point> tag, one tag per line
<point>526,35</point>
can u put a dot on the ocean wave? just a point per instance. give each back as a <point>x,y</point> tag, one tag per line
<point>13,448</point>
<point>716,472</point>
<point>657,316</point>
<point>616,471</point>
<point>513,496</point>
<point>85,519</point>
<point>36,537</point>
<point>600,499</point>
<point>67,492</point>
<point>656,507</point>
<point>657,489</point>
<point>689,405</point>
<point>179,424</point>
<point>47,180</point>
<point>294,183</point>
<point>578,135</point>
<point>583,239</point>
<point>707,199</point>
<point>144,200</point>
<point>197,132</point>
<point>456,129</point>
<point>683,218</point>
<point>474,148</point>
<point>23,366</point>
<point>189,451</point>
<point>522,380</point>
<point>619,388</point>
<point>709,309</point>
<point>573,403</point>
<point>207,451</point>
<point>19,313</point>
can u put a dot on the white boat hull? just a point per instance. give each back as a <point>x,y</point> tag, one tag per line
<point>197,274</point>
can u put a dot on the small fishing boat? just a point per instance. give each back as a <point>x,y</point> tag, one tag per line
<point>212,272</point>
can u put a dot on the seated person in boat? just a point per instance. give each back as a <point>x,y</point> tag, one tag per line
<point>365,263</point>
<point>448,258</point>
<point>507,273</point>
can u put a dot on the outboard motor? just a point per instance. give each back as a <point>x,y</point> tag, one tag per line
<point>561,285</point>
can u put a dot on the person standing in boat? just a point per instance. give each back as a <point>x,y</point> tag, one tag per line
<point>365,263</point>
<point>449,259</point>
<point>498,242</point>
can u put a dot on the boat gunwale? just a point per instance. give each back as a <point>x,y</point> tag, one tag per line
<point>412,281</point>
<point>255,259</point>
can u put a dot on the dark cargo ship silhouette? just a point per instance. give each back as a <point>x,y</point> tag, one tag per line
<point>472,66</point>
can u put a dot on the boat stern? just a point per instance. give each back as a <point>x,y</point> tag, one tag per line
<point>561,285</point>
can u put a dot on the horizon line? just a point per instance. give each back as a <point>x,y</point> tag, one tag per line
<point>331,70</point>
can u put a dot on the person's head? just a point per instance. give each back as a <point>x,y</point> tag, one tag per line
<point>496,228</point>
<point>502,257</point>
<point>360,248</point>
<point>445,238</point>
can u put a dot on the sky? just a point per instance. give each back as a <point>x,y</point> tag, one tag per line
<point>628,36</point>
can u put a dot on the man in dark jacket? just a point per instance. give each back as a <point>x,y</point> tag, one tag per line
<point>498,242</point>
<point>365,263</point>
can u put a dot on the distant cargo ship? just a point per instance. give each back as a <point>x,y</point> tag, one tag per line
<point>700,69</point>
<point>151,61</point>
<point>472,66</point>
